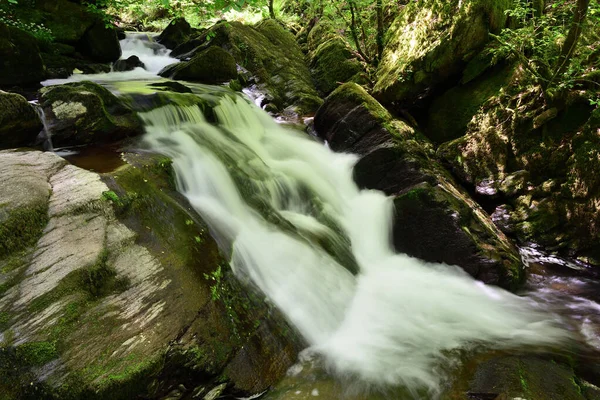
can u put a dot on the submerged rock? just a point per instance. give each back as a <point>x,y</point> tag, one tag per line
<point>21,62</point>
<point>84,113</point>
<point>213,65</point>
<point>431,41</point>
<point>435,220</point>
<point>269,53</point>
<point>129,64</point>
<point>19,122</point>
<point>118,291</point>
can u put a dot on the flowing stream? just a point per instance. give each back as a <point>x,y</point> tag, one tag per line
<point>391,323</point>
<point>286,211</point>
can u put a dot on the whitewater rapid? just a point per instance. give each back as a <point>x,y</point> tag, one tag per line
<point>272,197</point>
<point>154,56</point>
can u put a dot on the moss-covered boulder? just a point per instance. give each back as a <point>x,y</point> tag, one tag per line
<point>332,63</point>
<point>177,32</point>
<point>19,122</point>
<point>330,58</point>
<point>118,291</point>
<point>270,54</point>
<point>213,65</point>
<point>540,162</point>
<point>100,43</point>
<point>435,220</point>
<point>20,61</point>
<point>431,41</point>
<point>84,113</point>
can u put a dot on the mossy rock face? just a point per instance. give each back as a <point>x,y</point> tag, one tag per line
<point>270,54</point>
<point>431,41</point>
<point>332,62</point>
<point>450,113</point>
<point>19,122</point>
<point>129,293</point>
<point>21,61</point>
<point>100,43</point>
<point>176,33</point>
<point>85,113</point>
<point>554,150</point>
<point>431,210</point>
<point>213,65</point>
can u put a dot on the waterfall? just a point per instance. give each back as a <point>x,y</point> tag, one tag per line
<point>287,212</point>
<point>45,135</point>
<point>154,55</point>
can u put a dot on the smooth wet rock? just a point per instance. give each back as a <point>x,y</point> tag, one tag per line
<point>176,33</point>
<point>21,61</point>
<point>121,292</point>
<point>19,122</point>
<point>84,113</point>
<point>435,220</point>
<point>129,64</point>
<point>432,41</point>
<point>213,65</point>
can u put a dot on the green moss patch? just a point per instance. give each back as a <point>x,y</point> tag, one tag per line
<point>22,229</point>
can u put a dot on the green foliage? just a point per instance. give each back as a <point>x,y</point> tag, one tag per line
<point>538,40</point>
<point>10,15</point>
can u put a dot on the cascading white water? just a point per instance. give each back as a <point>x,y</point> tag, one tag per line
<point>395,322</point>
<point>154,56</point>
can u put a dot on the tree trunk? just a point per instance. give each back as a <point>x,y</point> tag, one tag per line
<point>271,10</point>
<point>379,38</point>
<point>355,33</point>
<point>572,38</point>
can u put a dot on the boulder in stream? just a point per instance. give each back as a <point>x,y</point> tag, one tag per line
<point>176,33</point>
<point>19,122</point>
<point>111,287</point>
<point>270,54</point>
<point>212,65</point>
<point>129,64</point>
<point>85,113</point>
<point>100,43</point>
<point>435,219</point>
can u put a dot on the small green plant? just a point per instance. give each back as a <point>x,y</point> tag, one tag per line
<point>111,196</point>
<point>38,30</point>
